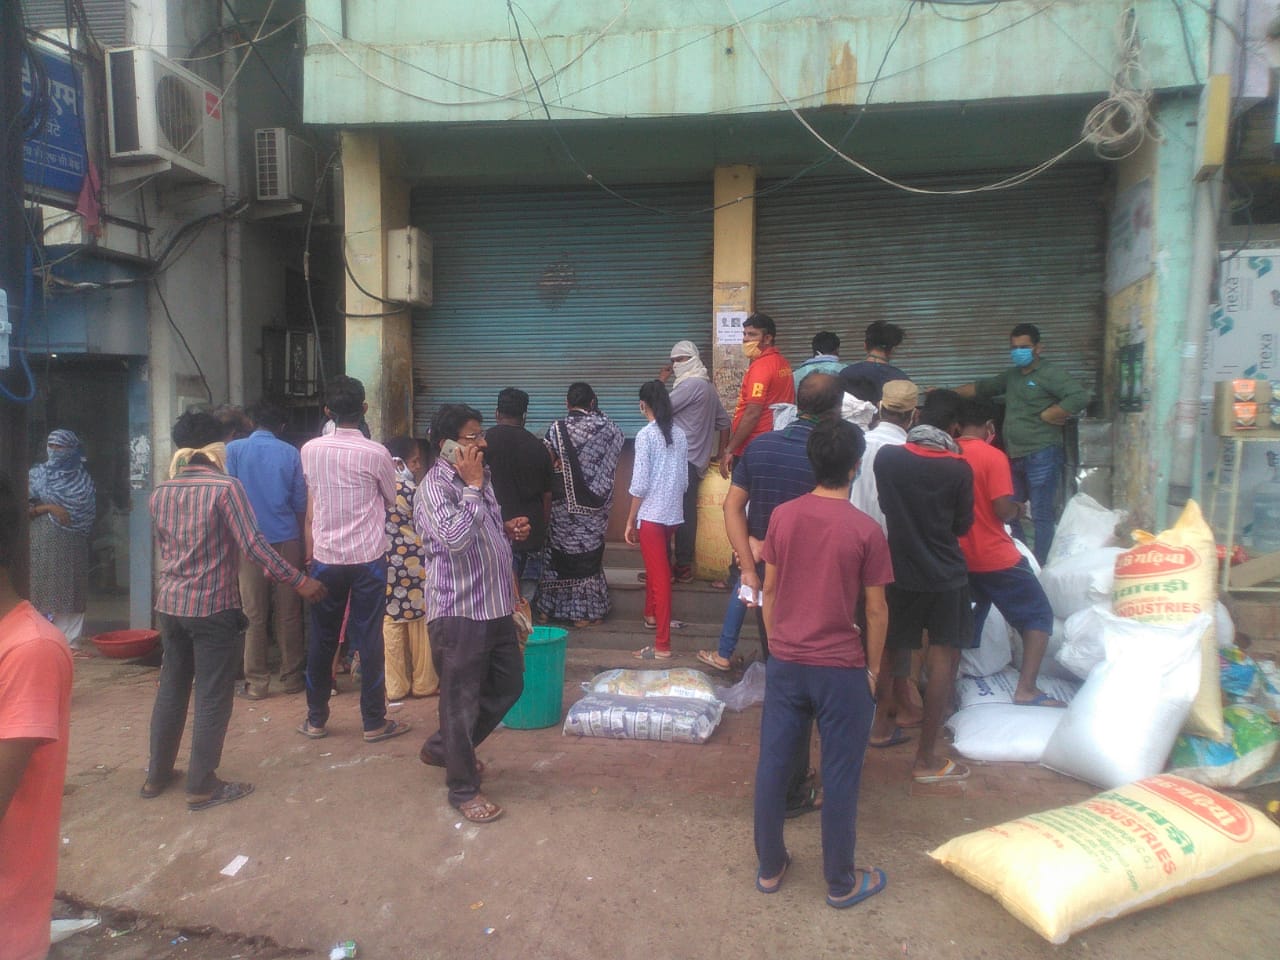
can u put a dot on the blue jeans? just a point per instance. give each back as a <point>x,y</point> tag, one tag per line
<point>840,700</point>
<point>365,585</point>
<point>736,614</point>
<point>1035,478</point>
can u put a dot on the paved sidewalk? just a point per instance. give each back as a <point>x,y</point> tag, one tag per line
<point>608,848</point>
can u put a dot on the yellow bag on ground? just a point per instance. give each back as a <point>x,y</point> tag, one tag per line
<point>1171,578</point>
<point>1140,845</point>
<point>711,551</point>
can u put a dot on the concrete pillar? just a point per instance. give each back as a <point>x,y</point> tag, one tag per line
<point>379,346</point>
<point>733,266</point>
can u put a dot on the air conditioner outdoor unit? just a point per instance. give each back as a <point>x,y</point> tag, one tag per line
<point>409,266</point>
<point>161,111</point>
<point>285,166</point>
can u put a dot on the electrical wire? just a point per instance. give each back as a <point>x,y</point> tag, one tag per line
<point>1186,40</point>
<point>237,46</point>
<point>306,265</point>
<point>1003,184</point>
<point>1119,125</point>
<point>359,286</point>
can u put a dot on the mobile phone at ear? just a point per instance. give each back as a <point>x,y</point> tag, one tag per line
<point>449,451</point>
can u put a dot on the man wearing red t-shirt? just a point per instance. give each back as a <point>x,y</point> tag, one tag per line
<point>998,573</point>
<point>767,381</point>
<point>823,557</point>
<point>35,717</point>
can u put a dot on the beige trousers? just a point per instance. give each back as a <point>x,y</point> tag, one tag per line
<point>265,601</point>
<point>408,659</point>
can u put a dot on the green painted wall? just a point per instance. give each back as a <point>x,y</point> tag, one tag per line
<point>385,61</point>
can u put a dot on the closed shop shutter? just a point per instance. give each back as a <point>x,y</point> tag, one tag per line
<point>956,273</point>
<point>108,19</point>
<point>538,288</point>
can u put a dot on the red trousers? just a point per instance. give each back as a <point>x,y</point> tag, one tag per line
<point>654,538</point>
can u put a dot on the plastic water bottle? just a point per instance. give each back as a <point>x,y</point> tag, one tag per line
<point>1266,511</point>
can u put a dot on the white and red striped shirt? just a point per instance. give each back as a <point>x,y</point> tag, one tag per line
<point>351,483</point>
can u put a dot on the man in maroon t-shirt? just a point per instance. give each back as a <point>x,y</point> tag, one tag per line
<point>822,557</point>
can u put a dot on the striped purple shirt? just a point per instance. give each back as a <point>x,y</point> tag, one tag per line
<point>203,522</point>
<point>469,572</point>
<point>352,483</point>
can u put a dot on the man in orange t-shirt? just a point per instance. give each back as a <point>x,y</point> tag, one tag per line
<point>767,381</point>
<point>999,575</point>
<point>35,717</point>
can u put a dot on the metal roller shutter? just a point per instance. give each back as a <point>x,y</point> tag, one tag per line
<point>538,288</point>
<point>956,273</point>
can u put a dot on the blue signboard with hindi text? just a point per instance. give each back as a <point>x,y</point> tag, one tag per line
<point>53,155</point>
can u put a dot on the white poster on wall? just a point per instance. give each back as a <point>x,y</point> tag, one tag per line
<point>729,327</point>
<point>1129,243</point>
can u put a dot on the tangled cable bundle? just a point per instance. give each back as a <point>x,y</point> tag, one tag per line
<point>1119,125</point>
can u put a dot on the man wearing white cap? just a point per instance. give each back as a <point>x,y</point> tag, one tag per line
<point>700,414</point>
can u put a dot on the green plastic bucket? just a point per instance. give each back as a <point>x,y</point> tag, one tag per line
<point>539,705</point>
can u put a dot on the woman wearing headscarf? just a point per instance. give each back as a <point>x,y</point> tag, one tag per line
<point>63,508</point>
<point>698,412</point>
<point>584,446</point>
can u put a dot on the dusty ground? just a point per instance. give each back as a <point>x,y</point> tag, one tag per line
<point>608,849</point>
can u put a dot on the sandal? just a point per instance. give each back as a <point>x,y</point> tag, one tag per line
<point>713,659</point>
<point>873,881</point>
<point>152,788</point>
<point>479,810</point>
<point>224,792</point>
<point>777,880</point>
<point>812,802</point>
<point>949,772</point>
<point>312,733</point>
<point>393,729</point>
<point>651,653</point>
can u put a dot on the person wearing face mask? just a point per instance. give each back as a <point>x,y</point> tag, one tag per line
<point>767,381</point>
<point>698,412</point>
<point>62,508</point>
<point>1039,398</point>
<point>998,574</point>
<point>405,643</point>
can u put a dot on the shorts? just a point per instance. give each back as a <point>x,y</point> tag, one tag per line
<point>1016,593</point>
<point>946,614</point>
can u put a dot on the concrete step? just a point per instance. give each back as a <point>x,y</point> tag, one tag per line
<point>696,602</point>
<point>623,633</point>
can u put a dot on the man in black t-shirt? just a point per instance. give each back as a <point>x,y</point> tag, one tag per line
<point>520,468</point>
<point>925,488</point>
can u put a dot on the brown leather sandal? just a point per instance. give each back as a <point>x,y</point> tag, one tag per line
<point>479,810</point>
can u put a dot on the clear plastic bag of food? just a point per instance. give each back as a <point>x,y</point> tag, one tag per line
<point>679,682</point>
<point>668,719</point>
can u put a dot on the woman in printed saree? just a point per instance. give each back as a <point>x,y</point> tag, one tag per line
<point>585,446</point>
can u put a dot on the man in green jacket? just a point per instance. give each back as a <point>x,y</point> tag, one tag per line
<point>1039,397</point>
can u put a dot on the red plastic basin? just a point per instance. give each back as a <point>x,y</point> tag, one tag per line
<point>126,644</point>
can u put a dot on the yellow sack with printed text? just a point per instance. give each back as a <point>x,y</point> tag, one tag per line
<point>1124,850</point>
<point>1171,578</point>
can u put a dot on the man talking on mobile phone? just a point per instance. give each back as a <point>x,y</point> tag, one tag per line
<point>472,594</point>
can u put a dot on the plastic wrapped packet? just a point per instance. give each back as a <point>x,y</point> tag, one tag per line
<point>668,719</point>
<point>680,682</point>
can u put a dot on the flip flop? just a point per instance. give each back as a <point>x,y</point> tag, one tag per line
<point>866,889</point>
<point>650,653</point>
<point>393,729</point>
<point>1041,700</point>
<point>479,810</point>
<point>777,881</point>
<point>893,740</point>
<point>712,659</point>
<point>947,773</point>
<point>153,788</point>
<point>810,803</point>
<point>224,793</point>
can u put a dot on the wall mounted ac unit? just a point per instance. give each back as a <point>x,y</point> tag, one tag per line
<point>161,111</point>
<point>284,165</point>
<point>409,266</point>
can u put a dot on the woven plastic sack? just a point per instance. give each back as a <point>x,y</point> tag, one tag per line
<point>993,653</point>
<point>1050,666</point>
<point>1122,724</point>
<point>1080,581</point>
<point>1169,578</point>
<point>996,732</point>
<point>669,719</point>
<point>1000,688</point>
<point>1247,761</point>
<point>1085,525</point>
<point>1138,846</point>
<point>680,682</point>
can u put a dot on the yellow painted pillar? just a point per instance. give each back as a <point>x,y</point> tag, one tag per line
<point>733,266</point>
<point>379,349</point>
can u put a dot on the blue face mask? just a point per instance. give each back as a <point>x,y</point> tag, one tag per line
<point>1022,356</point>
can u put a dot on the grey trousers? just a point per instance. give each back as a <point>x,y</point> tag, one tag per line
<point>203,652</point>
